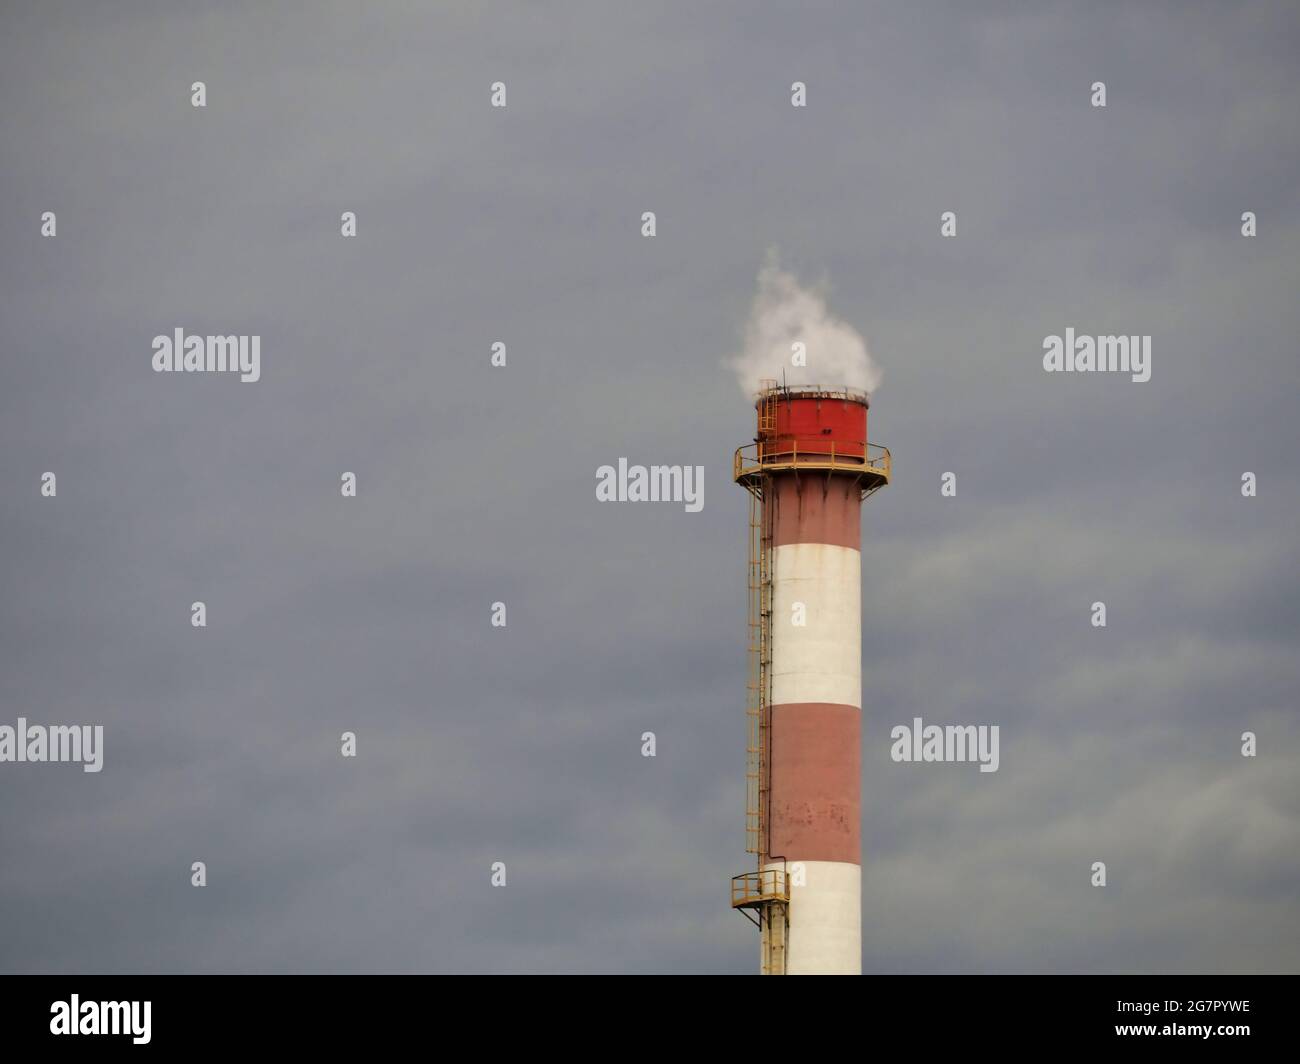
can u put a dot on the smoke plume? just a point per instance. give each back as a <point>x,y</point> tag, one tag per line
<point>784,313</point>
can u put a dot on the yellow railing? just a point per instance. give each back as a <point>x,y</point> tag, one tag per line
<point>754,458</point>
<point>752,888</point>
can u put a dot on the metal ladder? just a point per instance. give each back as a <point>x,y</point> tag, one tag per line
<point>773,911</point>
<point>757,704</point>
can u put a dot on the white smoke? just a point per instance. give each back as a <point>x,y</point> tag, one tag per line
<point>785,313</point>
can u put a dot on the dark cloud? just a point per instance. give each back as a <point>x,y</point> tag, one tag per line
<point>477,485</point>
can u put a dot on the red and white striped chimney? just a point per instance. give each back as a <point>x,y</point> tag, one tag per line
<point>811,466</point>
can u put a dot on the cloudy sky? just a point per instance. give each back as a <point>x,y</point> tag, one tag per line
<point>476,484</point>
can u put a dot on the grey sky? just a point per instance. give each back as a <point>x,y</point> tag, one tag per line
<point>477,484</point>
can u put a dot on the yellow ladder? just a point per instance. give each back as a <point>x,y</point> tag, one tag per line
<point>773,904</point>
<point>758,702</point>
<point>768,397</point>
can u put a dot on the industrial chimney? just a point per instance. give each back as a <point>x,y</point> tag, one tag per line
<point>807,472</point>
